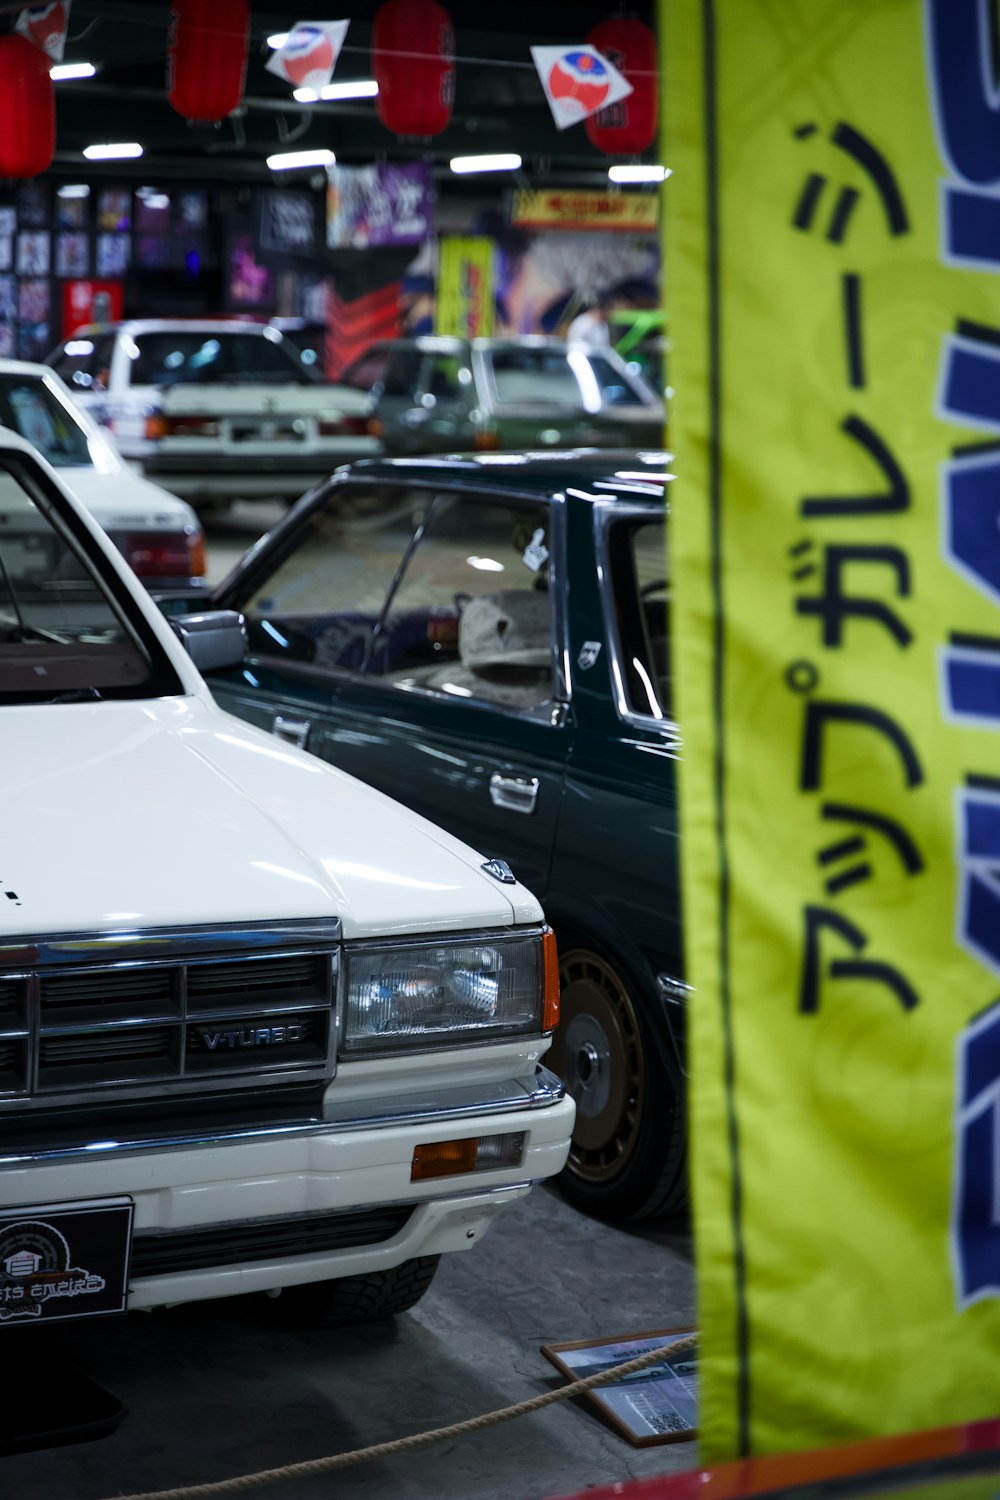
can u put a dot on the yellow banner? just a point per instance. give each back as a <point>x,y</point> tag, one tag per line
<point>833,244</point>
<point>556,208</point>
<point>465,286</point>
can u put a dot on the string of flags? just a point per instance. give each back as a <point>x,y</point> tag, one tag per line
<point>578,80</point>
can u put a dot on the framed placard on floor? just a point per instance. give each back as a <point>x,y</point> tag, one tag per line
<point>656,1405</point>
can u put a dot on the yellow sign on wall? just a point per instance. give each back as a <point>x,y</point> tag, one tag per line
<point>464,304</point>
<point>833,247</point>
<point>568,208</point>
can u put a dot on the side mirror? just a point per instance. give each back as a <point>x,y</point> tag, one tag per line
<point>213,640</point>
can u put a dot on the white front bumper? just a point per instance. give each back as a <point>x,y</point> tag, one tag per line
<point>315,1171</point>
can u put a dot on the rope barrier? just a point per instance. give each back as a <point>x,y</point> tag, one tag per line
<point>312,1466</point>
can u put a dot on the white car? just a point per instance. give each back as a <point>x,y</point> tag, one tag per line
<point>306,1061</point>
<point>159,534</point>
<point>215,410</point>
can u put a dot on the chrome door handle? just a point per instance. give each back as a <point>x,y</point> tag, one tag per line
<point>514,793</point>
<point>295,731</point>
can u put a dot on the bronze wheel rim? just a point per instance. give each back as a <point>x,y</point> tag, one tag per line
<point>598,1053</point>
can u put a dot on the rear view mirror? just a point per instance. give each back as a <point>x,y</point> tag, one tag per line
<point>213,640</point>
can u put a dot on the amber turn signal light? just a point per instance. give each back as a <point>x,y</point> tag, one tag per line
<point>550,981</point>
<point>443,1159</point>
<point>485,1153</point>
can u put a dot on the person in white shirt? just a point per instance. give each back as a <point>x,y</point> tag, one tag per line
<point>591,326</point>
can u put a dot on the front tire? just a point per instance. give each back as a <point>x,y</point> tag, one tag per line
<point>628,1155</point>
<point>358,1299</point>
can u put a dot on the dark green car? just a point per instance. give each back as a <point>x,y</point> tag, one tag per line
<point>485,639</point>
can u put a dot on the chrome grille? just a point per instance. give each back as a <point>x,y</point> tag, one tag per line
<point>106,987</point>
<point>209,983</point>
<point>175,1011</point>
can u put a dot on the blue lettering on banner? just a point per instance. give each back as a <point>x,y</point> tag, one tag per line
<point>965,101</point>
<point>966,104</point>
<point>976,1214</point>
<point>971,685</point>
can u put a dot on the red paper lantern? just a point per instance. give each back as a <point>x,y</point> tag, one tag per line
<point>27,108</point>
<point>413,63</point>
<point>628,127</point>
<point>207,60</point>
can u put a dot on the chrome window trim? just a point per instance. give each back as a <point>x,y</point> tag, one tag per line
<point>606,514</point>
<point>464,1102</point>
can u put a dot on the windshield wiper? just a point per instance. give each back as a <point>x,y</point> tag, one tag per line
<point>24,632</point>
<point>77,695</point>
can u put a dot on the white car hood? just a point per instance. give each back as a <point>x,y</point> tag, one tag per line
<point>224,824</point>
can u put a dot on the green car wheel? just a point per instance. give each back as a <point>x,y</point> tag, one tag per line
<point>627,1156</point>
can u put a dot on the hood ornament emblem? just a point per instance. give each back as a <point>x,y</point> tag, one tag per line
<point>500,870</point>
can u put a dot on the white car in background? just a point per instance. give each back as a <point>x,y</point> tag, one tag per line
<point>214,410</point>
<point>158,534</point>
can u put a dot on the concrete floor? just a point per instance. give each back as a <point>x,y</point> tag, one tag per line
<point>216,1390</point>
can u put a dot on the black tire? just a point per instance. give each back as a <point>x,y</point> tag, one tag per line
<point>628,1158</point>
<point>358,1299</point>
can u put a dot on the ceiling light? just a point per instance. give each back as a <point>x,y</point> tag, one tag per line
<point>73,190</point>
<point>286,160</point>
<point>638,173</point>
<point>361,88</point>
<point>112,151</point>
<point>278,40</point>
<point>501,162</point>
<point>62,71</point>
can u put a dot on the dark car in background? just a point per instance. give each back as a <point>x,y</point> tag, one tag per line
<point>485,639</point>
<point>440,395</point>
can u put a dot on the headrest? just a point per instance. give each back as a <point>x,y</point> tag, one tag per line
<point>510,628</point>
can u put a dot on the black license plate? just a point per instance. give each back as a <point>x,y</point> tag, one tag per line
<point>266,432</point>
<point>64,1260</point>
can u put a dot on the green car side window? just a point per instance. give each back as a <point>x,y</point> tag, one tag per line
<point>640,593</point>
<point>472,615</point>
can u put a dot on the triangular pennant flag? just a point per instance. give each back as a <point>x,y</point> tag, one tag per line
<point>308,55</point>
<point>578,82</point>
<point>45,25</point>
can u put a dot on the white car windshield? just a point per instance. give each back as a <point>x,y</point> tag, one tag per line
<point>30,407</point>
<point>193,357</point>
<point>67,631</point>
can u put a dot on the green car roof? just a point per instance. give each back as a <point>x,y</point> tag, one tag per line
<point>639,476</point>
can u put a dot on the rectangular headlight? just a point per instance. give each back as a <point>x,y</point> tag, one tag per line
<point>429,993</point>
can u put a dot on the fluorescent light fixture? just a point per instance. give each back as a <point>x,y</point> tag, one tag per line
<point>285,161</point>
<point>112,151</point>
<point>278,40</point>
<point>503,161</point>
<point>61,71</point>
<point>360,88</point>
<point>73,190</point>
<point>638,173</point>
